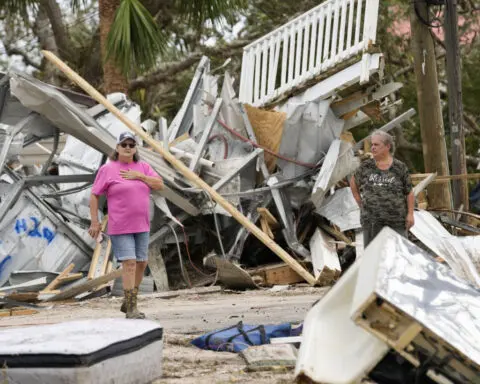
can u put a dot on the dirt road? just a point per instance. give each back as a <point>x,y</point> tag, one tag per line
<point>184,314</point>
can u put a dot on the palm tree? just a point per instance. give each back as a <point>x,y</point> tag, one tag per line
<point>131,39</point>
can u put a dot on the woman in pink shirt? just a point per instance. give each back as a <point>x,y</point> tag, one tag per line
<point>126,181</point>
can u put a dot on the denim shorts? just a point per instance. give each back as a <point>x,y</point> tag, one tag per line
<point>131,246</point>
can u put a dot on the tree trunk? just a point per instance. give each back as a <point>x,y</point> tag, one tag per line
<point>455,105</point>
<point>60,33</point>
<point>113,79</point>
<point>430,112</point>
<point>47,41</point>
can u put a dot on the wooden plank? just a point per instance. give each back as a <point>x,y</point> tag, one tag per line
<point>182,168</point>
<point>17,312</point>
<point>106,258</point>
<point>264,212</point>
<point>279,274</point>
<point>157,267</point>
<point>99,252</point>
<point>56,281</point>
<point>107,286</point>
<point>407,337</point>
<point>266,227</point>
<point>86,286</point>
<point>23,296</point>
<point>446,178</point>
<point>70,277</point>
<point>336,234</point>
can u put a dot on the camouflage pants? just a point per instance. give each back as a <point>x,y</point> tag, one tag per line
<point>371,230</point>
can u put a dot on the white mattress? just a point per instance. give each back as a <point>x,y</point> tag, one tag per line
<point>89,351</point>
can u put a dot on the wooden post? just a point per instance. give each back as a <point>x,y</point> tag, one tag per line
<point>455,106</point>
<point>430,113</point>
<point>182,168</point>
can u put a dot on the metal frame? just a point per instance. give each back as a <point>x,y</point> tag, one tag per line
<point>60,179</point>
<point>181,120</point>
<point>212,120</point>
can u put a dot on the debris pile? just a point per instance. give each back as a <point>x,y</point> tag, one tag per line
<point>285,169</point>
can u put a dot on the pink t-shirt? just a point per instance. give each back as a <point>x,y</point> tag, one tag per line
<point>128,200</point>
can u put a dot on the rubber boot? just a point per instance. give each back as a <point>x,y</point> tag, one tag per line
<point>130,304</point>
<point>134,302</point>
<point>123,308</point>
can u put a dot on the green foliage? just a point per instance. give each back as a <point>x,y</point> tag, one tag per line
<point>19,7</point>
<point>471,81</point>
<point>78,4</point>
<point>135,40</point>
<point>198,11</point>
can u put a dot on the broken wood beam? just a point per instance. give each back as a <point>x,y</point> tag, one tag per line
<point>56,282</point>
<point>445,178</point>
<point>181,167</point>
<point>264,212</point>
<point>265,227</point>
<point>17,312</point>
<point>278,274</point>
<point>100,254</point>
<point>86,286</point>
<point>70,277</point>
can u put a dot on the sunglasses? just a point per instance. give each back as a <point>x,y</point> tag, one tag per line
<point>125,145</point>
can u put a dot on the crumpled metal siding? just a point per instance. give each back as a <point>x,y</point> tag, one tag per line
<point>29,240</point>
<point>455,251</point>
<point>308,133</point>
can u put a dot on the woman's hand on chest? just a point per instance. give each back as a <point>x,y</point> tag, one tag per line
<point>131,175</point>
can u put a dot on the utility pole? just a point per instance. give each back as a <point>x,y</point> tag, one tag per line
<point>435,155</point>
<point>455,105</point>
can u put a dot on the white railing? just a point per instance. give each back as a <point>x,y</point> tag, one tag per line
<point>306,46</point>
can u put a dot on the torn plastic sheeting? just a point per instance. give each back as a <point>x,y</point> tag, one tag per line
<point>341,209</point>
<point>431,233</point>
<point>31,241</point>
<point>308,133</point>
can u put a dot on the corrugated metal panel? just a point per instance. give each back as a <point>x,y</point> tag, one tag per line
<point>31,241</point>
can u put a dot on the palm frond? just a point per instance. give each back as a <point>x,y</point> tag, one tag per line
<point>77,4</point>
<point>198,11</point>
<point>19,7</point>
<point>135,41</point>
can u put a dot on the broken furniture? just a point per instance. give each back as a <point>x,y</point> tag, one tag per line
<point>395,297</point>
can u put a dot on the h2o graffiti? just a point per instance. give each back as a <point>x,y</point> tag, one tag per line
<point>44,232</point>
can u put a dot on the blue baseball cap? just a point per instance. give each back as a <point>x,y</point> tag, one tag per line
<point>125,136</point>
